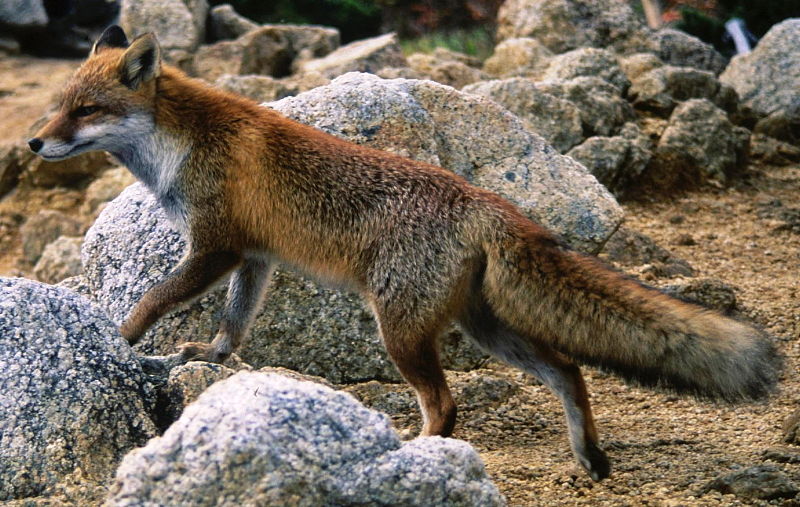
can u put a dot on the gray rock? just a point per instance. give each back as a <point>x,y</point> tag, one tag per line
<point>616,162</point>
<point>72,394</point>
<point>603,111</point>
<point>225,23</point>
<point>178,24</point>
<point>768,78</point>
<point>681,49</point>
<point>762,482</point>
<point>518,57</point>
<point>629,248</point>
<point>23,13</point>
<point>445,70</point>
<point>265,439</point>
<point>662,88</point>
<point>367,55</point>
<point>587,62</point>
<point>44,228</point>
<point>698,145</point>
<point>130,248</point>
<point>557,120</point>
<point>60,259</point>
<point>185,383</point>
<point>562,25</point>
<point>268,50</point>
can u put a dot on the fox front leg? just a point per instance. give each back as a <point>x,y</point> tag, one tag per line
<point>189,279</point>
<point>245,293</point>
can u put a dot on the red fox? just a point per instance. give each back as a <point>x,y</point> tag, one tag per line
<point>250,187</point>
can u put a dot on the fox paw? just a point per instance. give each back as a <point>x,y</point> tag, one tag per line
<point>198,351</point>
<point>596,463</point>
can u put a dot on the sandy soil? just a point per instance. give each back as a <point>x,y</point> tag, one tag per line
<point>663,447</point>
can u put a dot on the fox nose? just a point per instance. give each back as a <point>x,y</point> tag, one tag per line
<point>35,144</point>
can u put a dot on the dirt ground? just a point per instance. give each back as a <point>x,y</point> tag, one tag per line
<point>663,448</point>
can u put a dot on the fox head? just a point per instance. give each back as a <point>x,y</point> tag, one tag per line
<point>108,98</point>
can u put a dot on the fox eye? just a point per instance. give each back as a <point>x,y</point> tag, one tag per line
<point>85,110</point>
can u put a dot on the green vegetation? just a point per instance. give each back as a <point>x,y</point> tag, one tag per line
<point>477,42</point>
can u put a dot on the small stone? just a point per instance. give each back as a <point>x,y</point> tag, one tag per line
<point>518,57</point>
<point>367,55</point>
<point>763,482</point>
<point>225,23</point>
<point>631,248</point>
<point>71,172</point>
<point>587,62</point>
<point>679,48</point>
<point>707,292</point>
<point>446,71</point>
<point>782,455</point>
<point>698,146</point>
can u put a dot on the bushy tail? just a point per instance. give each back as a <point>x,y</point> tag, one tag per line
<point>599,317</point>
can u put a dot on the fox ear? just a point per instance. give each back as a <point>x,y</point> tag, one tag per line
<point>141,61</point>
<point>112,37</point>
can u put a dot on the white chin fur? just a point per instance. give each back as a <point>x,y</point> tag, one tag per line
<point>63,151</point>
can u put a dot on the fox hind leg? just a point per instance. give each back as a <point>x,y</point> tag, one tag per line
<point>555,371</point>
<point>414,351</point>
